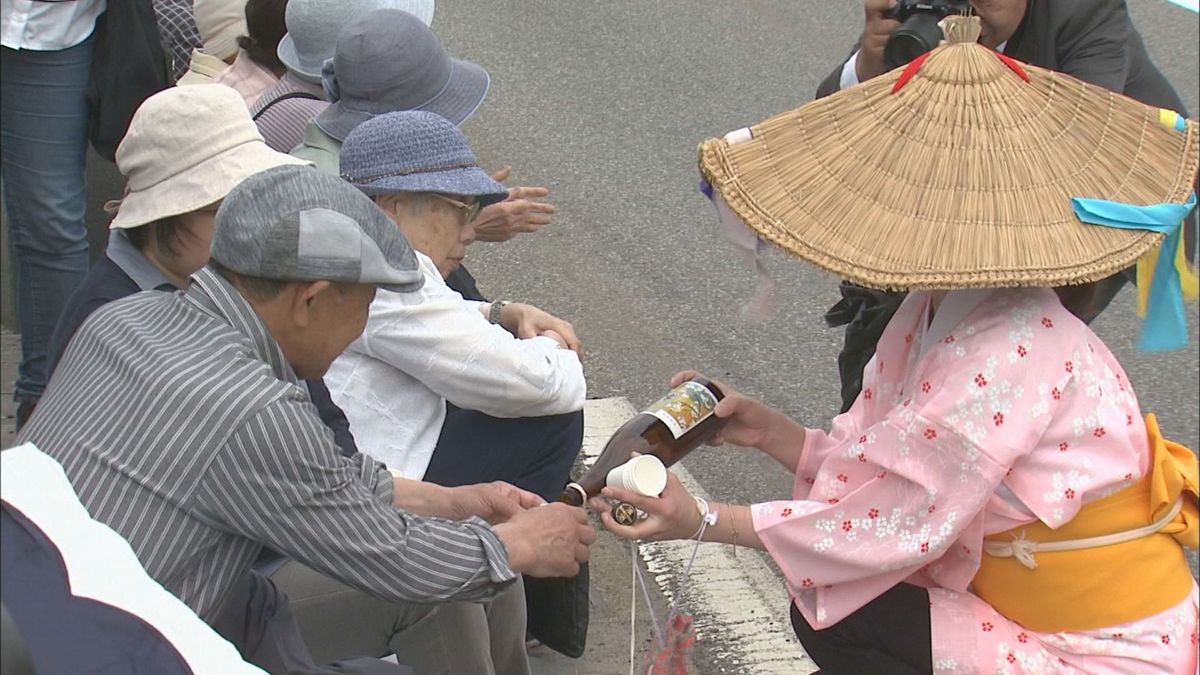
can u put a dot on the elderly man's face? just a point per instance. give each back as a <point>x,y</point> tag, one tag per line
<point>440,226</point>
<point>1000,19</point>
<point>336,317</point>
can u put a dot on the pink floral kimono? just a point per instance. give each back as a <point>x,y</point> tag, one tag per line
<point>1002,410</point>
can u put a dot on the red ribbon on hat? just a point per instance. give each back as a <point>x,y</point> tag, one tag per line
<point>1014,65</point>
<point>911,69</point>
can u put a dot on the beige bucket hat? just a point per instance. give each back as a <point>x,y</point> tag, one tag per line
<point>185,149</point>
<point>956,172</point>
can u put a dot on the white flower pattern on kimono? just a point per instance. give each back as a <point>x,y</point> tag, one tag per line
<point>1018,394</point>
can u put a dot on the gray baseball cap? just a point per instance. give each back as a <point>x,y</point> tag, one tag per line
<point>294,223</point>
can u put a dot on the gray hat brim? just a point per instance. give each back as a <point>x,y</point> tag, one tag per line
<point>464,93</point>
<point>286,51</point>
<point>466,182</point>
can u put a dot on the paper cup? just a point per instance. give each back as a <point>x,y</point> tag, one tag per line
<point>644,475</point>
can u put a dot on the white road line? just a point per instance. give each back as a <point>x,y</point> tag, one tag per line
<point>1193,5</point>
<point>738,603</point>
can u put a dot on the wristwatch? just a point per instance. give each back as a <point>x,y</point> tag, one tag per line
<point>494,312</point>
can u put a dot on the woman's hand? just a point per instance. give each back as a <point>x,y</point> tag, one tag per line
<point>747,422</point>
<point>753,424</point>
<point>673,515</point>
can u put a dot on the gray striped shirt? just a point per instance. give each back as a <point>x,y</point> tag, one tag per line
<point>182,427</point>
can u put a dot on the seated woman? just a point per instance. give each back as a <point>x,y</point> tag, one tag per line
<point>186,148</point>
<point>993,501</point>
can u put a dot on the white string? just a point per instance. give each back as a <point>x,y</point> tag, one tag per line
<point>633,558</point>
<point>641,582</point>
<point>687,572</point>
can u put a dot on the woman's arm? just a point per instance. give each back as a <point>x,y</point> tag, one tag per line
<point>676,515</point>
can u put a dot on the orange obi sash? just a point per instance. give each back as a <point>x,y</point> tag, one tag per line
<point>1111,573</point>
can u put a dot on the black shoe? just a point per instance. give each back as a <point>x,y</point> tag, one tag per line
<point>24,411</point>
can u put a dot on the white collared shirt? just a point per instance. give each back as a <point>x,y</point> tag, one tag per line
<point>430,346</point>
<point>47,26</point>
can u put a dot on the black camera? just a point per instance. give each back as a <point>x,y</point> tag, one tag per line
<point>919,31</point>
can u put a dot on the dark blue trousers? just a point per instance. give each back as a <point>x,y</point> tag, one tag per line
<point>533,453</point>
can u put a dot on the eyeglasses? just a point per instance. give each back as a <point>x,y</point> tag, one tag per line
<point>471,210</point>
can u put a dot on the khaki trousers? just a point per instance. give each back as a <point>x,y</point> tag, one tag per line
<point>458,638</point>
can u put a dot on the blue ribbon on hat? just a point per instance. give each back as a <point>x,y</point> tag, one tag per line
<point>333,92</point>
<point>1165,325</point>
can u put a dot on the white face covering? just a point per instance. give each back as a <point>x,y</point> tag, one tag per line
<point>748,245</point>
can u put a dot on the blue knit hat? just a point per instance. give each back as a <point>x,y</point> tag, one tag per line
<point>415,151</point>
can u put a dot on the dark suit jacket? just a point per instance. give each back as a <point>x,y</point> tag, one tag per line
<point>1092,40</point>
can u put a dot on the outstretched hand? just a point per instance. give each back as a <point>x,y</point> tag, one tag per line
<point>517,214</point>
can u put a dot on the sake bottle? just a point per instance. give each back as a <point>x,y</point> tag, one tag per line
<point>670,428</point>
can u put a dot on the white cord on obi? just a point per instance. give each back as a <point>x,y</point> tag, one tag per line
<point>1023,549</point>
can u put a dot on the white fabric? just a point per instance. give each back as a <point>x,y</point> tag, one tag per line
<point>423,348</point>
<point>203,69</point>
<point>47,26</point>
<point>101,565</point>
<point>220,23</point>
<point>849,72</point>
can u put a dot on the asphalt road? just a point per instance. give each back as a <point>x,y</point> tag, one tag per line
<point>605,103</point>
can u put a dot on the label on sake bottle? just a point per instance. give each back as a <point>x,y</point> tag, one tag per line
<point>684,407</point>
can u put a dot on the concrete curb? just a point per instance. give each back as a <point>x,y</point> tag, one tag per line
<point>738,602</point>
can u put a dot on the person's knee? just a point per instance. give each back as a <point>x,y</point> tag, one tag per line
<point>569,428</point>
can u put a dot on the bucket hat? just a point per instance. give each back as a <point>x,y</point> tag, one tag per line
<point>415,151</point>
<point>314,25</point>
<point>963,169</point>
<point>220,23</point>
<point>185,149</point>
<point>298,224</point>
<point>388,60</point>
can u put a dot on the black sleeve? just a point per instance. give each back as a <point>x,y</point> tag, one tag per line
<point>332,416</point>
<point>104,283</point>
<point>1092,42</point>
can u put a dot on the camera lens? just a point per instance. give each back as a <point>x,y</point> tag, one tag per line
<point>917,35</point>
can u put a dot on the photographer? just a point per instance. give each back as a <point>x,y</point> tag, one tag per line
<point>1092,40</point>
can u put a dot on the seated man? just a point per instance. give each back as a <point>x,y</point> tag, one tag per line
<point>206,448</point>
<point>1092,40</point>
<point>185,150</point>
<point>515,390</point>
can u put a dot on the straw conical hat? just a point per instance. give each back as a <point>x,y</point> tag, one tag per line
<point>962,177</point>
